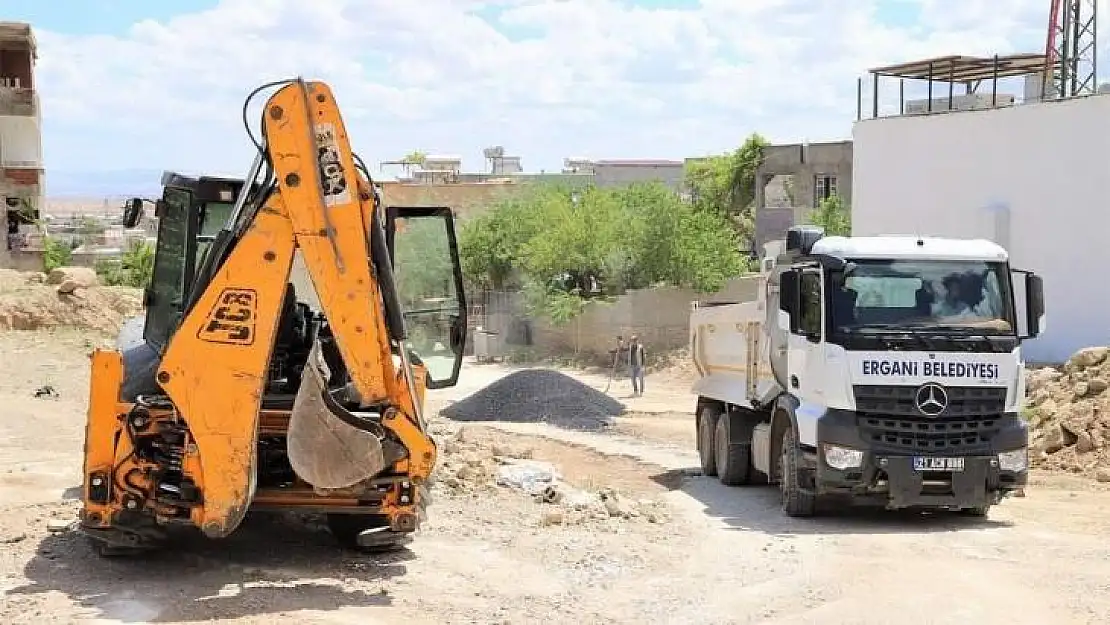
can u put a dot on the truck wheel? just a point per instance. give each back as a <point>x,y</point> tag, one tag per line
<point>707,421</point>
<point>732,460</point>
<point>977,511</point>
<point>795,501</point>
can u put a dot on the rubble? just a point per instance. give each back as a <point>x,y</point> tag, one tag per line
<point>538,396</point>
<point>468,468</point>
<point>1068,412</point>
<point>67,297</point>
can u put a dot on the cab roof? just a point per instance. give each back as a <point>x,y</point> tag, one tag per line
<point>911,247</point>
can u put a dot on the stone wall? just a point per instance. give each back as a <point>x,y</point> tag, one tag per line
<point>660,316</point>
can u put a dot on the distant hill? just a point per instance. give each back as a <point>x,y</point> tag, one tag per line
<point>86,184</point>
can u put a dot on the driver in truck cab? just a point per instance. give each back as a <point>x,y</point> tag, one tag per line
<point>952,304</point>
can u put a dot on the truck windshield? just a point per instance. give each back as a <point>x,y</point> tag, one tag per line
<point>897,294</point>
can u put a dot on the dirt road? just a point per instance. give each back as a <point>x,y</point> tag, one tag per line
<point>491,554</point>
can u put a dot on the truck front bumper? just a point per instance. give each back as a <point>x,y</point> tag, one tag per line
<point>904,479</point>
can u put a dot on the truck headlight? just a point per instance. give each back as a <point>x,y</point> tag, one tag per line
<point>1017,460</point>
<point>841,458</point>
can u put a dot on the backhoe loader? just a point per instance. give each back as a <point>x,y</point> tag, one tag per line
<point>243,393</point>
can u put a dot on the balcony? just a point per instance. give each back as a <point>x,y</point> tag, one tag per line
<point>16,100</point>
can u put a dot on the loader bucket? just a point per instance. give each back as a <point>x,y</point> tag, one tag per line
<point>330,447</point>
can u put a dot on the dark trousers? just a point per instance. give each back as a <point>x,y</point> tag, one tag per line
<point>637,379</point>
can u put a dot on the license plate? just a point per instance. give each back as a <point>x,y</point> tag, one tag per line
<point>931,463</point>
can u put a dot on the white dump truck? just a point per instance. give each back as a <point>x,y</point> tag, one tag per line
<point>879,370</point>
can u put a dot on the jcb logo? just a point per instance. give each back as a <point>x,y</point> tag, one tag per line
<point>232,319</point>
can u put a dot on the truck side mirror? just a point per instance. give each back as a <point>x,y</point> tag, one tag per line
<point>1034,304</point>
<point>789,294</point>
<point>132,212</point>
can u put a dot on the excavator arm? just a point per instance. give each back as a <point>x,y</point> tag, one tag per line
<point>358,409</point>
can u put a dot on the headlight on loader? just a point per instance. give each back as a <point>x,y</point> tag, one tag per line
<point>1017,460</point>
<point>841,458</point>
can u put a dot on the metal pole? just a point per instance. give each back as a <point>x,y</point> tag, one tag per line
<point>951,82</point>
<point>929,106</point>
<point>994,83</point>
<point>1094,47</point>
<point>875,97</point>
<point>859,98</point>
<point>902,96</point>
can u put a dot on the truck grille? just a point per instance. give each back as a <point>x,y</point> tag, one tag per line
<point>889,419</point>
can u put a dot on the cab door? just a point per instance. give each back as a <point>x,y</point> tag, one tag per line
<point>164,297</point>
<point>429,286</point>
<point>804,352</point>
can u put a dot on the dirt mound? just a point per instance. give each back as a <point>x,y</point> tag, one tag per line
<point>28,302</point>
<point>1068,410</point>
<point>538,396</point>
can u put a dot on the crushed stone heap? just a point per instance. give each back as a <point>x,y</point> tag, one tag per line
<point>1068,410</point>
<point>538,396</point>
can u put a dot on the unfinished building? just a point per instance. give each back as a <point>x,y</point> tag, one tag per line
<point>21,181</point>
<point>793,180</point>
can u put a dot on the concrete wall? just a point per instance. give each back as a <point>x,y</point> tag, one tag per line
<point>466,198</point>
<point>660,316</point>
<point>621,173</point>
<point>1030,177</point>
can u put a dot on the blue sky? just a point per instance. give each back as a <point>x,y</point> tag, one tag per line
<point>129,88</point>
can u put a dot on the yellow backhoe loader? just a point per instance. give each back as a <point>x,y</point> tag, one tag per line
<point>241,393</point>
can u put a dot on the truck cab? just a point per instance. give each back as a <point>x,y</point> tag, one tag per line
<point>871,370</point>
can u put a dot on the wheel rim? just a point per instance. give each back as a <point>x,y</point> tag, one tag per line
<point>720,448</point>
<point>704,446</point>
<point>782,473</point>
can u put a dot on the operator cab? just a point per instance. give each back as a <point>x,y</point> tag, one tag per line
<point>192,214</point>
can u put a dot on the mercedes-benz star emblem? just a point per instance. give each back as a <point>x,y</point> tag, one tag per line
<point>931,399</point>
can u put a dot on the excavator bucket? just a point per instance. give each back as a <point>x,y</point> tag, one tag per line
<point>330,447</point>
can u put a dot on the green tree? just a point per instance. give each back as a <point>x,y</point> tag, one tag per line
<point>726,183</point>
<point>416,157</point>
<point>56,254</point>
<point>564,248</point>
<point>492,245</point>
<point>833,215</point>
<point>134,268</point>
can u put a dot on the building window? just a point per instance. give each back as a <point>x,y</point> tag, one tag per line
<point>824,187</point>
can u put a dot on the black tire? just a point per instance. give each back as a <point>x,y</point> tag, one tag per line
<point>733,460</point>
<point>978,511</point>
<point>707,421</point>
<point>795,501</point>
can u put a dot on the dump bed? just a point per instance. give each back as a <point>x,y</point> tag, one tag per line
<point>731,351</point>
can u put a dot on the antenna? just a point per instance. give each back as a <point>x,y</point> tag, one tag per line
<point>1071,47</point>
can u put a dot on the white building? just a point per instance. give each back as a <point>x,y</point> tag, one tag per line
<point>1029,176</point>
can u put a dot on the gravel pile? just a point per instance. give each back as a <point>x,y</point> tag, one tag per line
<point>538,396</point>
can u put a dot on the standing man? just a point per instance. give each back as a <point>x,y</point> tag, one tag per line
<point>636,363</point>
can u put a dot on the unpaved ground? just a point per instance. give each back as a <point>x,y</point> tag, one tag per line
<point>489,555</point>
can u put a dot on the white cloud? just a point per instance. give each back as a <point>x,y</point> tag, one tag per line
<point>545,78</point>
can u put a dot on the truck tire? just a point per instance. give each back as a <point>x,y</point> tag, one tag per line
<point>795,501</point>
<point>733,460</point>
<point>977,511</point>
<point>707,422</point>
